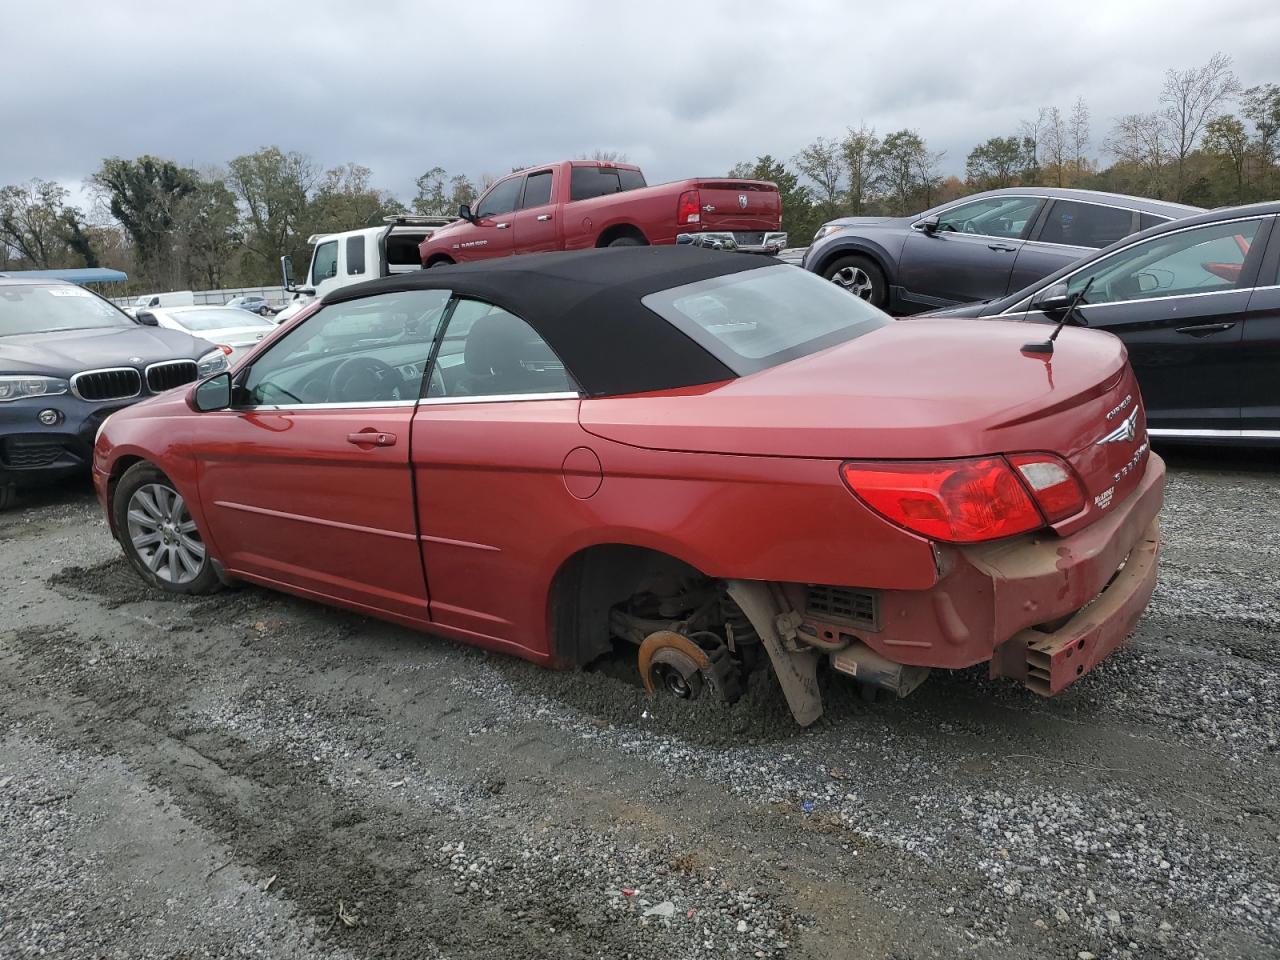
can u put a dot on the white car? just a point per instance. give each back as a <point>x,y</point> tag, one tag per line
<point>236,331</point>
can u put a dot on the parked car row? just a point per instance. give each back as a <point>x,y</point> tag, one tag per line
<point>1196,300</point>
<point>978,248</point>
<point>727,463</point>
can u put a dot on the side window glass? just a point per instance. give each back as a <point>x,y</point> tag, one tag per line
<point>1202,260</point>
<point>355,255</point>
<point>1085,224</point>
<point>991,217</point>
<point>501,199</point>
<point>325,262</point>
<point>537,190</point>
<point>488,352</point>
<point>359,351</point>
<point>1149,220</point>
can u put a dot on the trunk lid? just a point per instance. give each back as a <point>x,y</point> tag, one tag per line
<point>739,205</point>
<point>915,390</point>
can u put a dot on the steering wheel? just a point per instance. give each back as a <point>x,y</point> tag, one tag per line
<point>969,227</point>
<point>363,379</point>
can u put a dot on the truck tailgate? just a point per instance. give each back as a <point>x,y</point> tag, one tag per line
<point>740,205</point>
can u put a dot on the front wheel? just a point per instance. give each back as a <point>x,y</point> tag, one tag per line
<point>158,535</point>
<point>860,277</point>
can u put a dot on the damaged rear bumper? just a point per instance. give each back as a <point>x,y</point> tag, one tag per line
<point>1041,608</point>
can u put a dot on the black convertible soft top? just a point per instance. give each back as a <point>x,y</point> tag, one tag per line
<point>586,305</point>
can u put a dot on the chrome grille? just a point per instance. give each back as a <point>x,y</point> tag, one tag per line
<point>170,374</point>
<point>114,383</point>
<point>844,604</point>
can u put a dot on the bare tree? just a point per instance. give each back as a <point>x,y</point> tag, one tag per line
<point>1056,144</point>
<point>1080,136</point>
<point>1142,141</point>
<point>602,156</point>
<point>823,162</point>
<point>1192,98</point>
<point>1033,132</point>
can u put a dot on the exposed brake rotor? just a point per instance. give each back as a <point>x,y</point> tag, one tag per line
<point>685,667</point>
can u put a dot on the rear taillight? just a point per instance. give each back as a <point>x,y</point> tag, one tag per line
<point>959,501</point>
<point>1052,483</point>
<point>689,207</point>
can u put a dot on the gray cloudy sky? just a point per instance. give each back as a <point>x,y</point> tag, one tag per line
<point>684,88</point>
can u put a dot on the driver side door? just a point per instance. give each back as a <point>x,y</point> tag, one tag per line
<point>971,254</point>
<point>306,479</point>
<point>490,234</point>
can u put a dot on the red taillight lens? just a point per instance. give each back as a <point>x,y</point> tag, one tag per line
<point>1052,483</point>
<point>960,501</point>
<point>689,208</point>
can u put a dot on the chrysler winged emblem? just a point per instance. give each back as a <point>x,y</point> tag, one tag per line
<point>1127,432</point>
<point>742,200</point>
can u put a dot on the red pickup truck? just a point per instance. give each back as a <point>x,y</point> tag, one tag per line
<point>587,203</point>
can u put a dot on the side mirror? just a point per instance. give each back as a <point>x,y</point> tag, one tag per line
<point>929,224</point>
<point>1054,298</point>
<point>464,211</point>
<point>212,394</point>
<point>286,268</point>
<point>146,318</point>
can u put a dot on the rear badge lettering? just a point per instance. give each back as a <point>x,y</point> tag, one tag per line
<point>1120,407</point>
<point>1103,500</point>
<point>1132,465</point>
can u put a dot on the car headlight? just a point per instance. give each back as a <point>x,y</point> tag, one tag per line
<point>215,361</point>
<point>826,230</point>
<point>21,387</point>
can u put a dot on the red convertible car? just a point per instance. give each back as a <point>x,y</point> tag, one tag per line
<point>718,458</point>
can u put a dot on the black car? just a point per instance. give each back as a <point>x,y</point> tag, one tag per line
<point>1197,302</point>
<point>977,248</point>
<point>68,358</point>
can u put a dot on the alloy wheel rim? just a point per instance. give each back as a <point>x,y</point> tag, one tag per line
<point>163,534</point>
<point>855,280</point>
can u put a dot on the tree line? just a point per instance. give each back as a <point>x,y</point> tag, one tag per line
<point>1208,141</point>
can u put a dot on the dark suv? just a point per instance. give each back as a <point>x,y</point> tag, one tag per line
<point>977,248</point>
<point>68,358</point>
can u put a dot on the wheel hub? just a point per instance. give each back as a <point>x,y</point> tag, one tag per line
<point>683,667</point>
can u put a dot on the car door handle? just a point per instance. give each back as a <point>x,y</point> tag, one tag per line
<point>372,438</point>
<point>1205,329</point>
<point>544,217</point>
<point>1003,247</point>
<point>502,226</point>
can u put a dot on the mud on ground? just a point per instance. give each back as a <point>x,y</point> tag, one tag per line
<point>249,775</point>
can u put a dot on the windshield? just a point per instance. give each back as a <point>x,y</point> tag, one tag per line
<point>39,308</point>
<point>221,319</point>
<point>760,318</point>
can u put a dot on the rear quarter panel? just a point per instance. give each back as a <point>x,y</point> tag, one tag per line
<point>498,520</point>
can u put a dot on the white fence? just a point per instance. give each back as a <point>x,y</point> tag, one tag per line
<point>276,296</point>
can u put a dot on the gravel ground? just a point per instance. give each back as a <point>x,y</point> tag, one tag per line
<point>250,775</point>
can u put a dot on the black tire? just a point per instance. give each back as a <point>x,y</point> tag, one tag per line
<point>175,574</point>
<point>626,242</point>
<point>8,497</point>
<point>861,276</point>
